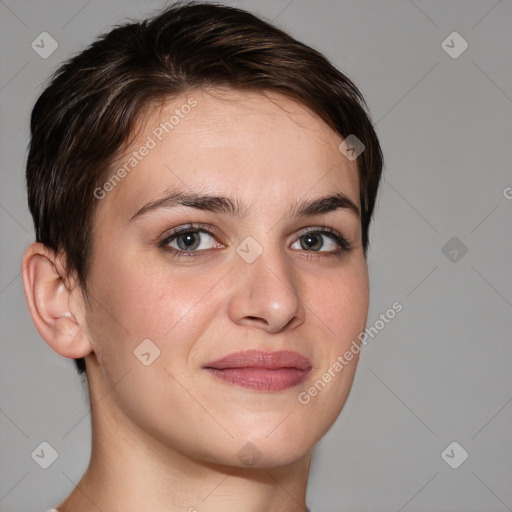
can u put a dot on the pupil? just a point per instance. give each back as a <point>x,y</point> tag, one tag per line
<point>312,242</point>
<point>188,241</point>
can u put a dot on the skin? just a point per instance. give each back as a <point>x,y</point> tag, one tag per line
<point>166,436</point>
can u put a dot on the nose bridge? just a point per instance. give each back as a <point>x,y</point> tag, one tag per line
<point>267,290</point>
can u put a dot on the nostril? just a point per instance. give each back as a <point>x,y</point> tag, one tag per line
<point>256,319</point>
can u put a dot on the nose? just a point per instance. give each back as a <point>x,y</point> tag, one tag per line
<point>266,294</point>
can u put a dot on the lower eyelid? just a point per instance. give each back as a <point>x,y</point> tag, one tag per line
<point>341,243</point>
<point>175,236</point>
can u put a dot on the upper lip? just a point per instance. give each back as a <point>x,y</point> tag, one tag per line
<point>261,359</point>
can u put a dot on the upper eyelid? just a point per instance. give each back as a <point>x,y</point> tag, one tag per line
<point>206,228</point>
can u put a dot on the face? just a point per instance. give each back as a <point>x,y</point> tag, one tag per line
<point>235,230</point>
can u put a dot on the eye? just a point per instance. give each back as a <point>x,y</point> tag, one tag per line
<point>190,239</point>
<point>321,241</point>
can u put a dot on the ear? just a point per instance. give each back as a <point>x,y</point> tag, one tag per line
<point>49,297</point>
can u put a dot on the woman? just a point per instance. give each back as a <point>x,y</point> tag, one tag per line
<point>202,186</point>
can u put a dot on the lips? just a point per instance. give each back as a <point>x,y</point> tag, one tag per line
<point>261,359</point>
<point>260,370</point>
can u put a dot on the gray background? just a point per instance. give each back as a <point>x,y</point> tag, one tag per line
<point>440,371</point>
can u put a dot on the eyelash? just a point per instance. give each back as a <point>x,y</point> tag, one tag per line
<point>343,244</point>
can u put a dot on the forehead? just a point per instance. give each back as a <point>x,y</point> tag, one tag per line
<point>258,146</point>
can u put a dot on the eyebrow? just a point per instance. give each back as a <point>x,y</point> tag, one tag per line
<point>234,207</point>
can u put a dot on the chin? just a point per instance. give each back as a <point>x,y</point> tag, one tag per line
<point>264,447</point>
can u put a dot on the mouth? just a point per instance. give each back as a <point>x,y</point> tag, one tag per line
<point>262,371</point>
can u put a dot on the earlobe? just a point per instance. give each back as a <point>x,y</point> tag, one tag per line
<point>48,299</point>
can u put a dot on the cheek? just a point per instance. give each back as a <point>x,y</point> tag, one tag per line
<point>341,303</point>
<point>134,302</point>
<point>341,316</point>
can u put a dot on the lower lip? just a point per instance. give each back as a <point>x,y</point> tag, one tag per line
<point>261,379</point>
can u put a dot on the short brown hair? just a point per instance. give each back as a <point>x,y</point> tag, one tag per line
<point>88,112</point>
